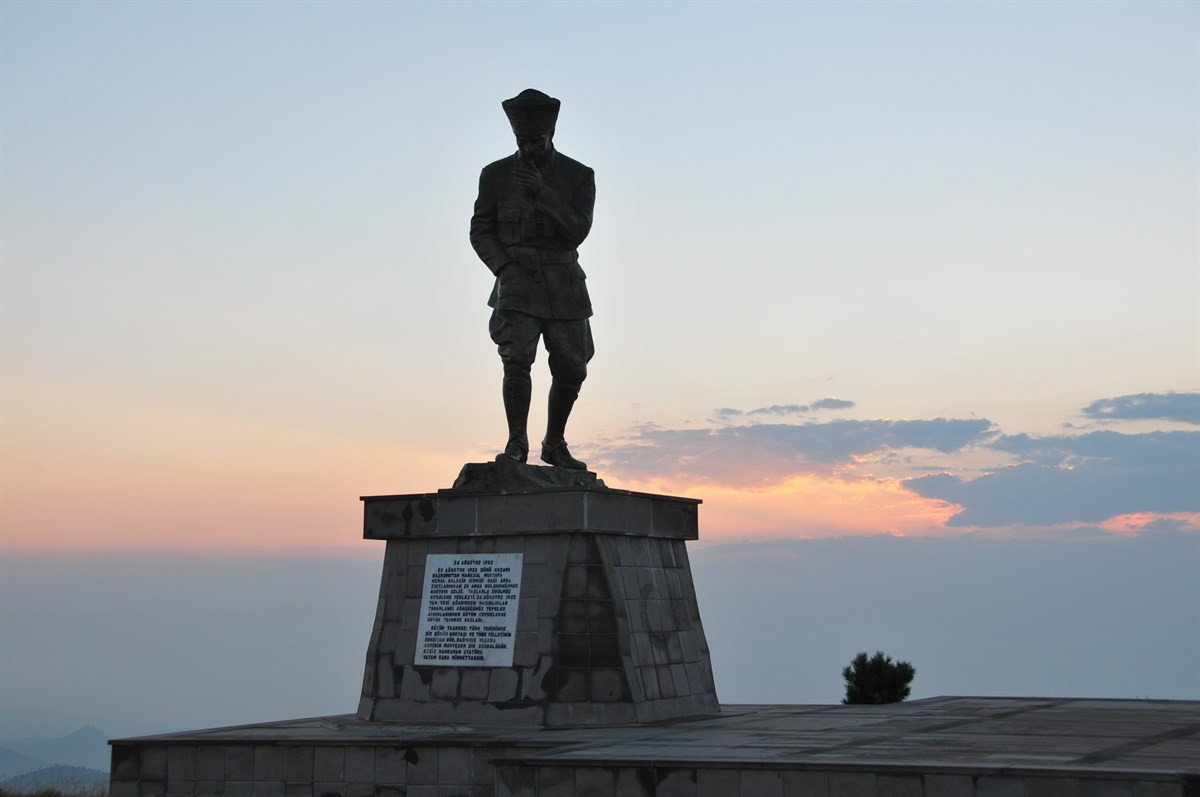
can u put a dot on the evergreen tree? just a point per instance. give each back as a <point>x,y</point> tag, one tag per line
<point>876,680</point>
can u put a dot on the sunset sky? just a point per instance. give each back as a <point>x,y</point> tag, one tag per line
<point>917,269</point>
<point>910,267</point>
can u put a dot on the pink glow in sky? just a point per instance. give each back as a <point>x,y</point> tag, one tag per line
<point>924,269</point>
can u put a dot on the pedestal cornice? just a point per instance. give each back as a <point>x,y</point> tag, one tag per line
<point>454,513</point>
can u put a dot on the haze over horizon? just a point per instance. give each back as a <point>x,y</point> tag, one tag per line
<point>870,279</point>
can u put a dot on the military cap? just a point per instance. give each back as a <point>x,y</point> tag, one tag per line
<point>531,113</point>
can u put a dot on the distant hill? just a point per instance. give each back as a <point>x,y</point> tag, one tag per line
<point>72,780</point>
<point>13,763</point>
<point>86,747</point>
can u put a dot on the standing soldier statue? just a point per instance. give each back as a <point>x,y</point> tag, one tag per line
<point>533,211</point>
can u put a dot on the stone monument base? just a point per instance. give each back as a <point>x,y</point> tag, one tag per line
<point>556,604</point>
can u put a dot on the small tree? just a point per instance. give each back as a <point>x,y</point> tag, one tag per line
<point>876,680</point>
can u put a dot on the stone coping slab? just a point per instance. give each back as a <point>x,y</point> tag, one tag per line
<point>1150,740</point>
<point>553,510</point>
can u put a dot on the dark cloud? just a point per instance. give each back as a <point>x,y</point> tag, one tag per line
<point>764,453</point>
<point>1151,450</point>
<point>1058,479</point>
<point>780,409</point>
<point>1170,406</point>
<point>832,404</point>
<point>1166,524</point>
<point>728,414</point>
<point>1087,478</point>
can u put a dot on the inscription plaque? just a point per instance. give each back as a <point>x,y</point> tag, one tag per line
<point>469,609</point>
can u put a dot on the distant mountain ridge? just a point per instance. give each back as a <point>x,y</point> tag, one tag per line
<point>85,748</point>
<point>68,779</point>
<point>13,763</point>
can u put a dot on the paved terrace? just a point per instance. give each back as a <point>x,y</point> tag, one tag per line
<point>1119,747</point>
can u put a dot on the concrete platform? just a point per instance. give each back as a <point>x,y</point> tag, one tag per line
<point>940,747</point>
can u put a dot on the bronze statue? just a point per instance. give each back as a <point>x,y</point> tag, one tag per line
<point>533,211</point>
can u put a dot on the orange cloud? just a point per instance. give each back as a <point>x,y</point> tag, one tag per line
<point>1138,522</point>
<point>809,505</point>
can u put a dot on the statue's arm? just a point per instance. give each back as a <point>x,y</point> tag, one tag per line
<point>574,218</point>
<point>485,237</point>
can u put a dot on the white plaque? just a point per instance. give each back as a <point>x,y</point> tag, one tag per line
<point>469,609</point>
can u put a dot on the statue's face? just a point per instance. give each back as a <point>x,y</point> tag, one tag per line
<point>534,148</point>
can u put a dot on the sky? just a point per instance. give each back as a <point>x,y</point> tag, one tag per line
<point>861,271</point>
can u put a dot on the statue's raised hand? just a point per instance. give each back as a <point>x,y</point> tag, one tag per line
<point>530,177</point>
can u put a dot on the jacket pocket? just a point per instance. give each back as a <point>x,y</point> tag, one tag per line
<point>509,221</point>
<point>513,283</point>
<point>576,272</point>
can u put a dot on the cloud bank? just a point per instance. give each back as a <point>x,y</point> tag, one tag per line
<point>765,452</point>
<point>1084,478</point>
<point>983,477</point>
<point>1169,406</point>
<point>731,414</point>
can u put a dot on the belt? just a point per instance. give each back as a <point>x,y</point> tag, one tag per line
<point>547,255</point>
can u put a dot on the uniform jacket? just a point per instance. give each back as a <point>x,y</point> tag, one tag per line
<point>540,237</point>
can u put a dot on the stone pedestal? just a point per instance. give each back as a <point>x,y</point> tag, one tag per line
<point>606,630</point>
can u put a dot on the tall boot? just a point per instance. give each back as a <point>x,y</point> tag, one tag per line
<point>558,410</point>
<point>516,390</point>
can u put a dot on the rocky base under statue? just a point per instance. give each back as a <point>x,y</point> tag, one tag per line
<point>506,475</point>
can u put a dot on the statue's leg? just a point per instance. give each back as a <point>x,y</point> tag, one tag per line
<point>516,337</point>
<point>570,347</point>
<point>516,390</point>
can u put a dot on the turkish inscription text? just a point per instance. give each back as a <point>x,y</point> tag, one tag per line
<point>469,610</point>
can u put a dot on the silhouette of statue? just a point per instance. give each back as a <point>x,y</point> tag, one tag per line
<point>534,209</point>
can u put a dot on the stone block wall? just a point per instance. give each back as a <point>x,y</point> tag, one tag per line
<point>608,632</point>
<point>654,598</point>
<point>271,769</point>
<point>676,780</point>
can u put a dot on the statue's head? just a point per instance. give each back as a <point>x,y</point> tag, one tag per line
<point>532,115</point>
